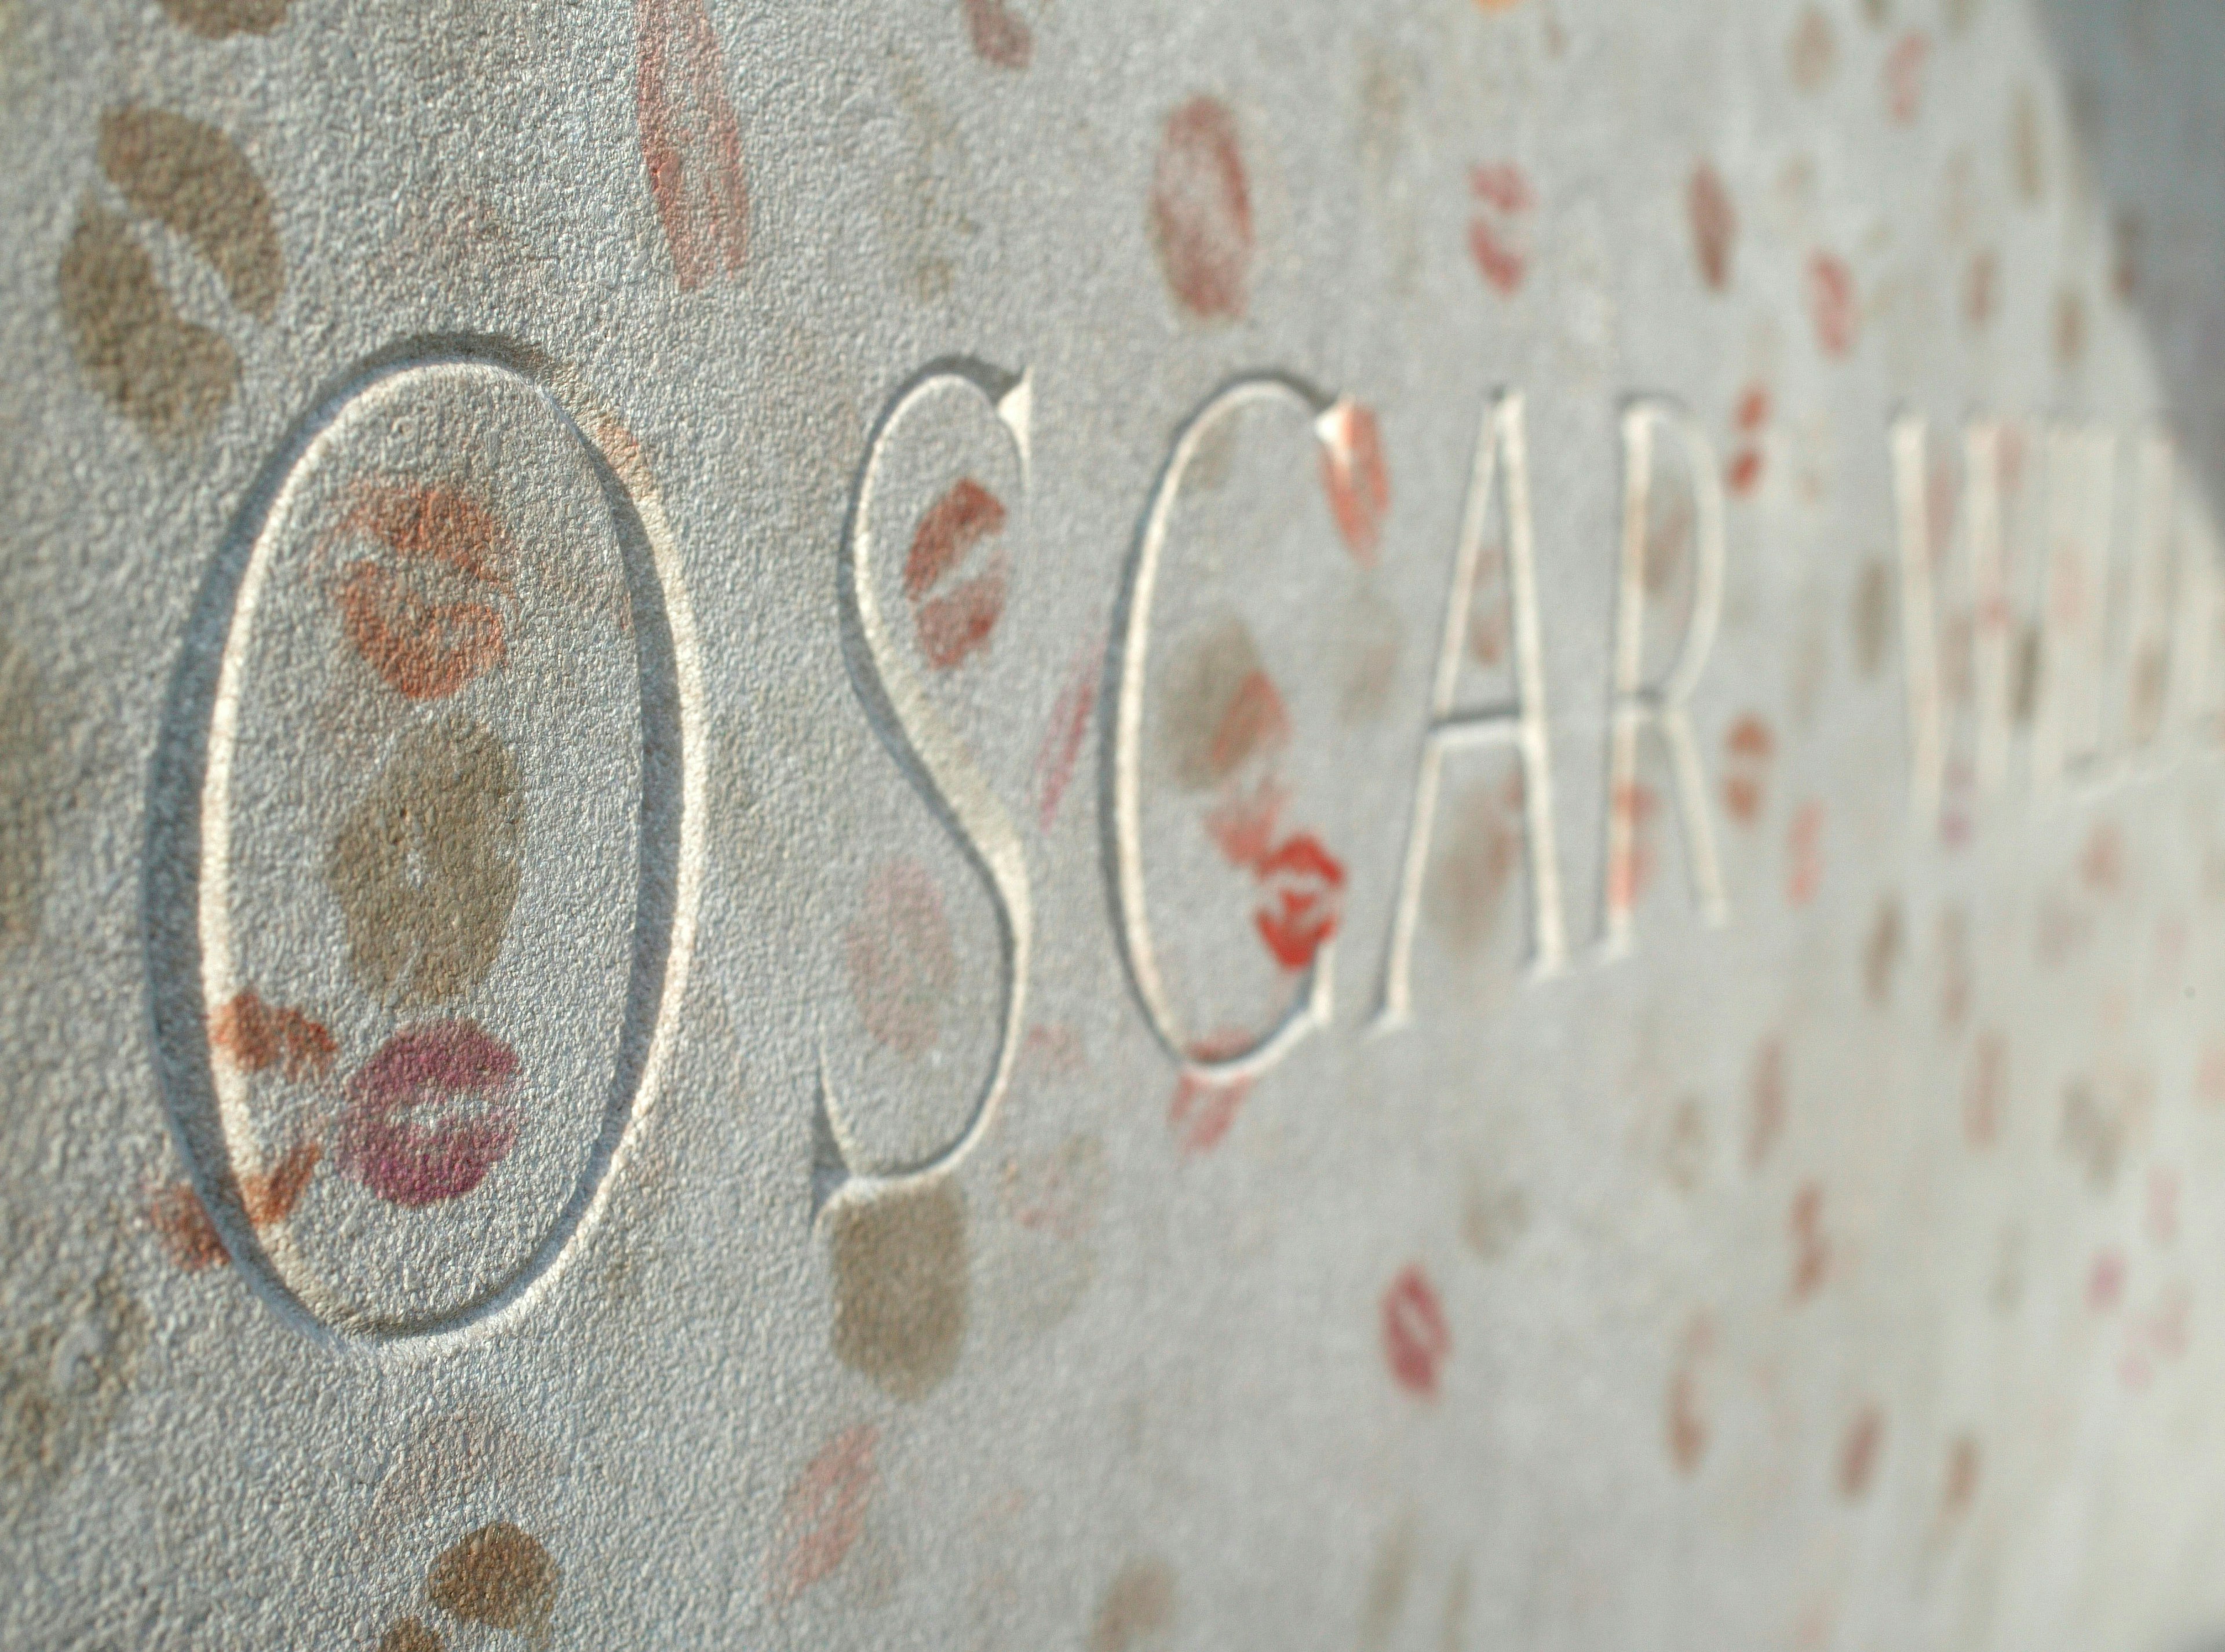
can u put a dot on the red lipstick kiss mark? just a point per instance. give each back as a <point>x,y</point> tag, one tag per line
<point>429,1066</point>
<point>824,1512</point>
<point>1304,879</point>
<point>1714,225</point>
<point>422,646</point>
<point>1415,1339</point>
<point>1505,193</point>
<point>1831,303</point>
<point>1904,76</point>
<point>1062,742</point>
<point>1745,777</point>
<point>257,1035</point>
<point>1353,476</point>
<point>956,622</point>
<point>1201,210</point>
<point>689,140</point>
<point>998,37</point>
<point>1744,472</point>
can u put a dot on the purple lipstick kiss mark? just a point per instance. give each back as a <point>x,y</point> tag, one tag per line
<point>435,1066</point>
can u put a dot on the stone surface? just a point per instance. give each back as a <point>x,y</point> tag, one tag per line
<point>992,823</point>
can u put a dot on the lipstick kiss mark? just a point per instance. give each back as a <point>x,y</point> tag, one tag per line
<point>1201,210</point>
<point>194,178</point>
<point>1069,726</point>
<point>1811,1260</point>
<point>1242,824</point>
<point>182,1223</point>
<point>824,1512</point>
<point>257,1035</point>
<point>1629,874</point>
<point>1504,194</point>
<point>214,19</point>
<point>1304,881</point>
<point>690,140</point>
<point>1904,76</point>
<point>1203,1109</point>
<point>1831,303</point>
<point>424,641</point>
<point>426,868</point>
<point>170,376</point>
<point>1415,1338</point>
<point>1804,849</point>
<point>998,37</point>
<point>1745,768</point>
<point>901,966</point>
<point>1353,476</point>
<point>433,1065</point>
<point>1743,473</point>
<point>955,621</point>
<point>1714,225</point>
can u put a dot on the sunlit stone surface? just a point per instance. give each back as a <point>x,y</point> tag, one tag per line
<point>991,824</point>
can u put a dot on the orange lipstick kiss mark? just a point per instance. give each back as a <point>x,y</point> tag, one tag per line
<point>412,621</point>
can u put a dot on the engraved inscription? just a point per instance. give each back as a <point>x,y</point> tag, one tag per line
<point>364,810</point>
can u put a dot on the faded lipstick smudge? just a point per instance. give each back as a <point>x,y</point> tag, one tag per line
<point>690,140</point>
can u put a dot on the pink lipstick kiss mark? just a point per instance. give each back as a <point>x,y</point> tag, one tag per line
<point>1201,210</point>
<point>1353,476</point>
<point>429,1067</point>
<point>1505,193</point>
<point>1305,881</point>
<point>1903,77</point>
<point>824,1512</point>
<point>1242,824</point>
<point>998,37</point>
<point>690,140</point>
<point>1415,1339</point>
<point>955,622</point>
<point>1203,1109</point>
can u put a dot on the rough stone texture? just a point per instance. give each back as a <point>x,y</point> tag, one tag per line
<point>650,998</point>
